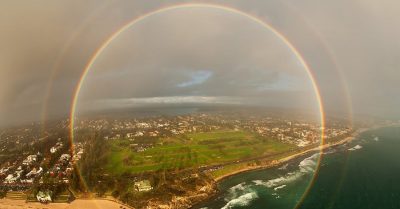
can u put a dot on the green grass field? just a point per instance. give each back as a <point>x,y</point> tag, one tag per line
<point>191,150</point>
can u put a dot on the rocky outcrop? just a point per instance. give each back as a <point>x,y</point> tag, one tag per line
<point>180,193</point>
<point>186,201</point>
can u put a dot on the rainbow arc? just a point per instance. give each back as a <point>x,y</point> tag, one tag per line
<point>251,17</point>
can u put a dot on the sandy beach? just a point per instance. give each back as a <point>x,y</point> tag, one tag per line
<point>77,204</point>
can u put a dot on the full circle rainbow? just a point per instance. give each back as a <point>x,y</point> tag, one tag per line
<point>251,17</point>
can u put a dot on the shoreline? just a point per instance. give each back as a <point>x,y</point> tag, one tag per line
<point>279,162</point>
<point>283,160</point>
<point>83,203</point>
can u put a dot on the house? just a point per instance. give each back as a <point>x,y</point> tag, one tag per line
<point>56,147</point>
<point>44,197</point>
<point>34,172</point>
<point>53,149</point>
<point>3,171</point>
<point>65,158</point>
<point>27,181</point>
<point>12,178</point>
<point>143,186</point>
<point>31,173</point>
<point>78,155</point>
<point>29,160</point>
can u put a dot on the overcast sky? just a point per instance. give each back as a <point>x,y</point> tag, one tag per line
<point>198,55</point>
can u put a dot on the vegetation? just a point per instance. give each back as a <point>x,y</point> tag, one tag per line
<point>171,164</point>
<point>189,151</point>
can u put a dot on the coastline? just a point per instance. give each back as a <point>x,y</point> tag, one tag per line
<point>283,160</point>
<point>84,203</point>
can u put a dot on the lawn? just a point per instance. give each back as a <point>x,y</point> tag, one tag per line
<point>191,150</point>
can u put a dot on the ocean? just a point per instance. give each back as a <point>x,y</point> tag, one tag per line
<point>364,173</point>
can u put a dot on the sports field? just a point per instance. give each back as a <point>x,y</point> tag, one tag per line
<point>191,150</point>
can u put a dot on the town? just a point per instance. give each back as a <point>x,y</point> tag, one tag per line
<point>300,132</point>
<point>32,156</point>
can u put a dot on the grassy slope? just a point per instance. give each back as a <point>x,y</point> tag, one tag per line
<point>196,150</point>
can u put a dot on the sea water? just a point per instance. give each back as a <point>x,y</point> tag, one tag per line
<point>364,173</point>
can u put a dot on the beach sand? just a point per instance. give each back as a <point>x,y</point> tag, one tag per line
<point>77,204</point>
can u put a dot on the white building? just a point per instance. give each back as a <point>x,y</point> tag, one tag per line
<point>65,157</point>
<point>143,186</point>
<point>29,160</point>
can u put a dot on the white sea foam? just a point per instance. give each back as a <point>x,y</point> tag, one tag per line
<point>290,177</point>
<point>258,182</point>
<point>242,200</point>
<point>239,187</point>
<point>376,138</point>
<point>355,147</point>
<point>308,165</point>
<point>329,152</point>
<point>236,191</point>
<point>305,166</point>
<point>280,187</point>
<point>283,167</point>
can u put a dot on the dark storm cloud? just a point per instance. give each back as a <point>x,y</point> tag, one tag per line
<point>362,36</point>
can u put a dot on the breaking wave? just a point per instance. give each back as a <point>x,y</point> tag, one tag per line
<point>235,191</point>
<point>306,166</point>
<point>242,200</point>
<point>284,167</point>
<point>239,187</point>
<point>280,187</point>
<point>330,151</point>
<point>355,147</point>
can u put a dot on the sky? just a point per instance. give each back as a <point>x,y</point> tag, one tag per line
<point>198,55</point>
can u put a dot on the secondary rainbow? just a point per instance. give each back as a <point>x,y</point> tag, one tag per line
<point>253,18</point>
